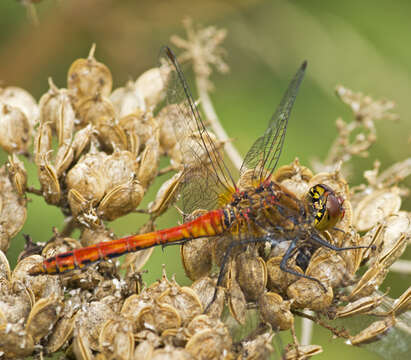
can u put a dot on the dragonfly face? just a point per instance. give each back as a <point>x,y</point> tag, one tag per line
<point>327,206</point>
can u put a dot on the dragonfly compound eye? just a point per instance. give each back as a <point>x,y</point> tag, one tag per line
<point>327,206</point>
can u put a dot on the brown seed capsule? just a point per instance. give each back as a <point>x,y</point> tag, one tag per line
<point>361,306</point>
<point>5,272</point>
<point>304,352</point>
<point>258,348</point>
<point>43,316</point>
<point>375,207</point>
<point>151,87</point>
<point>184,300</point>
<point>64,158</point>
<point>251,274</point>
<point>88,77</point>
<point>21,99</point>
<point>17,174</point>
<point>42,144</point>
<point>15,343</point>
<point>373,332</point>
<point>279,280</point>
<point>205,288</point>
<point>166,195</point>
<point>13,210</point>
<point>275,311</point>
<point>82,140</point>
<point>56,110</point>
<point>50,185</point>
<point>15,131</point>
<point>127,100</point>
<point>308,294</point>
<point>159,317</point>
<point>149,161</point>
<point>62,332</point>
<point>236,299</point>
<point>196,258</point>
<point>294,177</point>
<point>81,345</point>
<point>116,339</point>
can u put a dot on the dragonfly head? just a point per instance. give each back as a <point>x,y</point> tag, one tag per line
<point>327,206</point>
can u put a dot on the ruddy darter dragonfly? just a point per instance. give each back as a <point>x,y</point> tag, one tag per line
<point>262,212</point>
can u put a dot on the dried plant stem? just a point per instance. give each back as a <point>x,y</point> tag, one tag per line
<point>212,117</point>
<point>306,329</point>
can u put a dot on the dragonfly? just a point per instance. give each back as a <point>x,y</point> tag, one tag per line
<point>261,211</point>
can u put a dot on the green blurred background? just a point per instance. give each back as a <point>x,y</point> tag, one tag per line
<point>363,45</point>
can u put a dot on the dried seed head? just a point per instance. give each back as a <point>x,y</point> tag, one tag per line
<point>279,280</point>
<point>50,185</point>
<point>373,332</point>
<point>303,351</point>
<point>294,178</point>
<point>13,210</point>
<point>275,311</point>
<point>251,274</point>
<point>21,99</point>
<point>42,143</point>
<point>17,174</point>
<point>116,339</point>
<point>56,110</point>
<point>15,130</point>
<point>376,207</point>
<point>127,100</point>
<point>82,140</point>
<point>360,306</point>
<point>15,342</point>
<point>149,161</point>
<point>43,316</point>
<point>308,294</point>
<point>88,77</point>
<point>196,258</point>
<point>151,86</point>
<point>166,195</point>
<point>236,299</point>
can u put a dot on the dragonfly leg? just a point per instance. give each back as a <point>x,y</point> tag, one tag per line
<point>284,267</point>
<point>317,239</point>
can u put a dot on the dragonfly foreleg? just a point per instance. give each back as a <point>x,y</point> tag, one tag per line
<point>317,239</point>
<point>283,265</point>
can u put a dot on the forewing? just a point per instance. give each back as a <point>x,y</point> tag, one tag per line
<point>206,176</point>
<point>263,155</point>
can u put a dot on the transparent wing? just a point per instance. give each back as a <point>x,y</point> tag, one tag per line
<point>206,176</point>
<point>263,155</point>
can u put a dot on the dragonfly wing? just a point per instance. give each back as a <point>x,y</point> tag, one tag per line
<point>206,176</point>
<point>263,155</point>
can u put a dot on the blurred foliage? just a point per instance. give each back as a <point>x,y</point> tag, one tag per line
<point>362,45</point>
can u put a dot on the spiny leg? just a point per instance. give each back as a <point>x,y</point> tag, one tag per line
<point>317,239</point>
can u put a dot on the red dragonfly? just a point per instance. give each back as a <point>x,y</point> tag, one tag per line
<point>262,211</point>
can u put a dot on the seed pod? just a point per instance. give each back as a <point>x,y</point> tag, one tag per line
<point>81,345</point>
<point>17,174</point>
<point>50,185</point>
<point>361,306</point>
<point>116,339</point>
<point>15,134</point>
<point>196,258</point>
<point>304,351</point>
<point>64,158</point>
<point>184,300</point>
<point>87,177</point>
<point>5,272</point>
<point>43,316</point>
<point>14,307</point>
<point>120,200</point>
<point>403,303</point>
<point>96,110</point>
<point>56,110</point>
<point>205,288</point>
<point>62,332</point>
<point>208,344</point>
<point>169,352</point>
<point>81,140</point>
<point>90,320</point>
<point>236,299</point>
<point>88,77</point>
<point>375,207</point>
<point>294,178</point>
<point>15,343</point>
<point>159,317</point>
<point>277,279</point>
<point>149,161</point>
<point>127,100</point>
<point>21,99</point>
<point>373,332</point>
<point>171,126</point>
<point>13,210</point>
<point>42,144</point>
<point>251,274</point>
<point>308,294</point>
<point>328,267</point>
<point>166,195</point>
<point>259,347</point>
<point>151,86</point>
<point>275,311</point>
<point>40,286</point>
